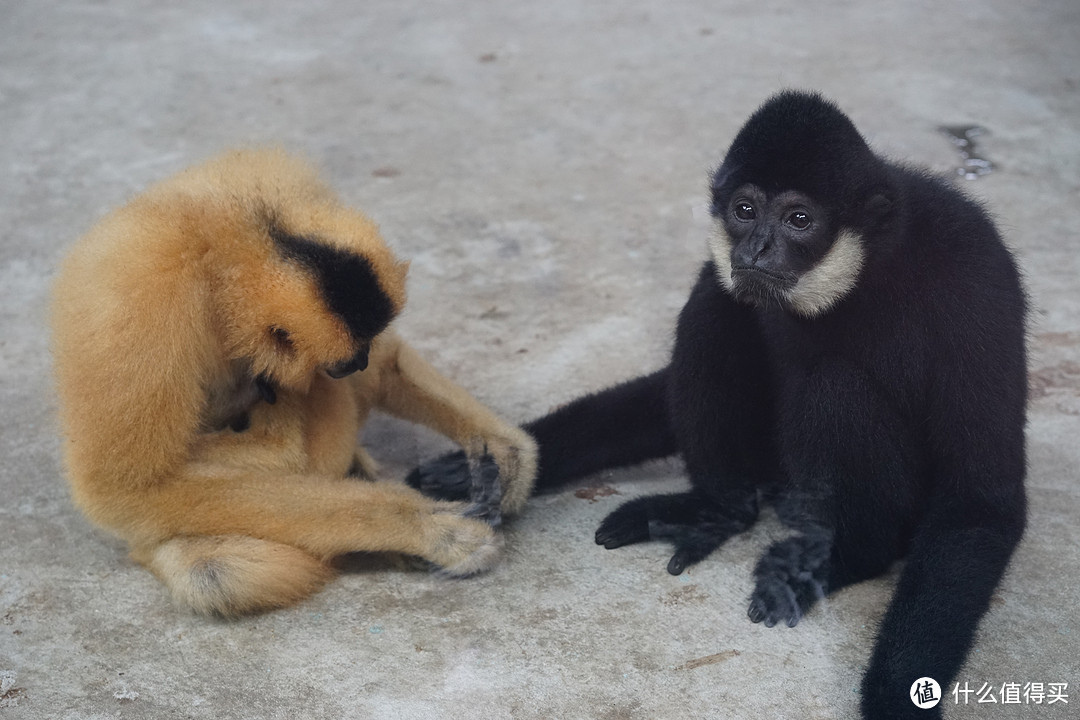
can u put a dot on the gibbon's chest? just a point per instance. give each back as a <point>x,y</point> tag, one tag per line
<point>884,353</point>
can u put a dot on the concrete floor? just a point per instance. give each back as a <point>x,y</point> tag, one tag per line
<point>544,166</point>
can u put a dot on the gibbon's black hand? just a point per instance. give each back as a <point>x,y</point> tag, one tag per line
<point>485,492</point>
<point>266,390</point>
<point>449,477</point>
<point>689,521</point>
<point>791,577</point>
<point>627,525</point>
<point>457,477</point>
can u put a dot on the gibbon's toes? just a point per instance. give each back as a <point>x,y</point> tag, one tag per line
<point>628,524</point>
<point>790,579</point>
<point>445,478</point>
<point>462,546</point>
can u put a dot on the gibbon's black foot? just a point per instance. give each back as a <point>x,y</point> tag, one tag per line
<point>446,478</point>
<point>791,577</point>
<point>626,525</point>
<point>693,524</point>
<point>485,491</point>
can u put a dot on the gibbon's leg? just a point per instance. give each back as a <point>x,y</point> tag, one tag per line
<point>855,482</point>
<point>720,410</point>
<point>412,389</point>
<point>623,425</point>
<point>321,516</point>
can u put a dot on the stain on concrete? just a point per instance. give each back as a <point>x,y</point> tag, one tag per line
<point>690,594</point>
<point>1048,379</point>
<point>596,491</point>
<point>386,171</point>
<point>628,711</point>
<point>9,694</point>
<point>709,660</point>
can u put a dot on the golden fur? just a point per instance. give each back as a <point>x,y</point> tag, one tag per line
<point>166,314</point>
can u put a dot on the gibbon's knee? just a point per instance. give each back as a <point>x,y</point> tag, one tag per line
<point>233,575</point>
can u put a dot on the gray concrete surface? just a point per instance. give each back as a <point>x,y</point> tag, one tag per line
<point>544,165</point>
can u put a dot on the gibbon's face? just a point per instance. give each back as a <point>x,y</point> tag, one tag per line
<point>315,307</point>
<point>781,248</point>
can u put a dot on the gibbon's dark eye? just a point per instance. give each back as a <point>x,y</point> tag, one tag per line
<point>282,338</point>
<point>744,211</point>
<point>799,220</point>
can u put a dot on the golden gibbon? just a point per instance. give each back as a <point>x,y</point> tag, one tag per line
<point>218,343</point>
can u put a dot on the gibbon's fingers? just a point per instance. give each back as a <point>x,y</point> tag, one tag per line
<point>266,390</point>
<point>448,477</point>
<point>693,543</point>
<point>791,577</point>
<point>626,525</point>
<point>322,516</point>
<point>486,493</point>
<point>411,389</point>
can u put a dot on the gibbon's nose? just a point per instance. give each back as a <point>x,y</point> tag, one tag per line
<point>356,363</point>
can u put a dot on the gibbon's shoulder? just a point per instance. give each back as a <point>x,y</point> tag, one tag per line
<point>231,204</point>
<point>270,175</point>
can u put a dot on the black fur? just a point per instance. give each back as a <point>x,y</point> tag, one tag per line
<point>347,281</point>
<point>621,426</point>
<point>889,425</point>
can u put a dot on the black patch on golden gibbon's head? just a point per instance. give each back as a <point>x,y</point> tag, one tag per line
<point>347,281</point>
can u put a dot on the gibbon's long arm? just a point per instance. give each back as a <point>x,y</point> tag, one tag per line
<point>976,517</point>
<point>957,557</point>
<point>322,516</point>
<point>412,389</point>
<point>623,425</point>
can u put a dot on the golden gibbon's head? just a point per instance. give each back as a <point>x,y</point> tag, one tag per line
<point>312,298</point>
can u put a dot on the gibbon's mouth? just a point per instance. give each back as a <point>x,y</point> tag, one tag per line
<point>356,363</point>
<point>759,287</point>
<point>756,275</point>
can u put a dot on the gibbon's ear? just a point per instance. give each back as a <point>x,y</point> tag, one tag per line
<point>282,339</point>
<point>879,205</point>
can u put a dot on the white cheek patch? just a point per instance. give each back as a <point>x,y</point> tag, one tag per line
<point>720,245</point>
<point>823,285</point>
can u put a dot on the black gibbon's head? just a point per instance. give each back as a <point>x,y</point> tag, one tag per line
<point>314,300</point>
<point>795,191</point>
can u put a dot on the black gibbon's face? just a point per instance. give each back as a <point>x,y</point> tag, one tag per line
<point>780,248</point>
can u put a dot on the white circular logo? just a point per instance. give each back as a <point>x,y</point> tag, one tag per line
<point>925,693</point>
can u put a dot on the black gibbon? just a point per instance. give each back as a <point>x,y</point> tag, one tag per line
<point>218,343</point>
<point>854,353</point>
